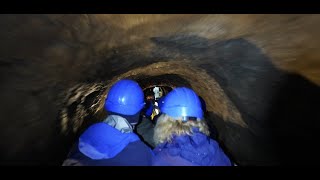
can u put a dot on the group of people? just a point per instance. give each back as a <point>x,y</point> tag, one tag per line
<point>180,134</point>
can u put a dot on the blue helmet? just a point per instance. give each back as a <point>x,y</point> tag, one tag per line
<point>125,97</point>
<point>182,102</point>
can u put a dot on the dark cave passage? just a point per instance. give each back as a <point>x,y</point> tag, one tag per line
<point>257,74</point>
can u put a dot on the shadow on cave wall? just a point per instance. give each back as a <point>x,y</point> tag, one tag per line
<point>280,108</point>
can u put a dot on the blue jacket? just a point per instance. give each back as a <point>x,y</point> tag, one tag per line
<point>103,145</point>
<point>195,150</point>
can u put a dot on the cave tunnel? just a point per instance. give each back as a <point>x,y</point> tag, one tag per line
<point>259,76</point>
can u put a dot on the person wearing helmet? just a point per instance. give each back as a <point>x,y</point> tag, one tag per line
<point>146,127</point>
<point>181,134</point>
<point>149,103</point>
<point>157,112</point>
<point>113,142</point>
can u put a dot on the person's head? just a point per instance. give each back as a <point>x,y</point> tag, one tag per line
<point>150,98</point>
<point>125,97</point>
<point>149,95</point>
<point>181,112</point>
